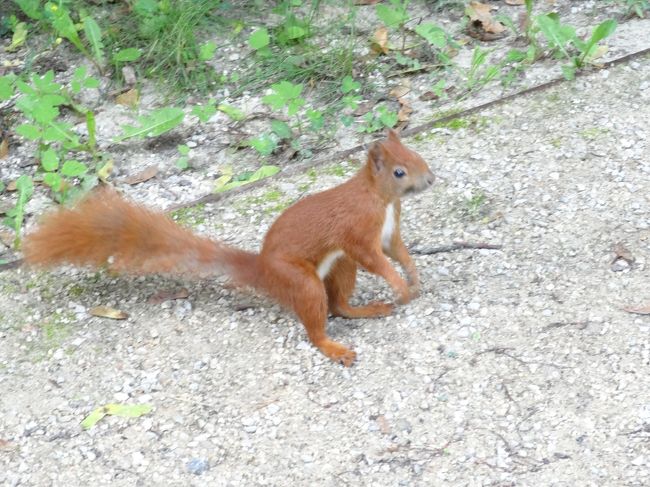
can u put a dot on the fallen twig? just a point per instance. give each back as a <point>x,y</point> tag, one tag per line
<point>455,246</point>
<point>14,264</point>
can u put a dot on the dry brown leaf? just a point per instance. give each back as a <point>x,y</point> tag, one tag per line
<point>379,43</point>
<point>6,445</point>
<point>641,310</point>
<point>363,108</point>
<point>404,111</point>
<point>403,88</point>
<point>482,24</point>
<point>7,238</point>
<point>129,98</point>
<point>108,312</point>
<point>11,186</point>
<point>366,2</point>
<point>167,295</point>
<point>384,427</point>
<point>428,96</point>
<point>4,148</point>
<point>622,252</point>
<point>515,2</point>
<point>140,177</point>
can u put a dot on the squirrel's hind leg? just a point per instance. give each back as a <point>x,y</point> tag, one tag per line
<point>339,284</point>
<point>298,287</point>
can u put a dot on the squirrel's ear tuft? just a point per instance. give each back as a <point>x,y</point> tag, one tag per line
<point>393,135</point>
<point>376,156</point>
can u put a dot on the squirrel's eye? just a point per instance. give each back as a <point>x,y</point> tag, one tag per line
<point>399,173</point>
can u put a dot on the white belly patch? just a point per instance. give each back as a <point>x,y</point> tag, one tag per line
<point>326,264</point>
<point>389,227</point>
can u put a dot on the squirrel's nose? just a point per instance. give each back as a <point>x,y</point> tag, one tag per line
<point>430,178</point>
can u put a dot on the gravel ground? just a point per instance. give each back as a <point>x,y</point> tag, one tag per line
<point>515,367</point>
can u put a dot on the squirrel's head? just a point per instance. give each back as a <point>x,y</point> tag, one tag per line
<point>398,170</point>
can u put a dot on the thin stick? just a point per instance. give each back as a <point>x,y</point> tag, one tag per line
<point>455,246</point>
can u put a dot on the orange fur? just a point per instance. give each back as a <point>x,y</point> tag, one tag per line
<point>104,228</point>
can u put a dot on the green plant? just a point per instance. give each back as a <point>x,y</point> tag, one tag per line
<point>378,119</point>
<point>637,7</point>
<point>155,123</point>
<point>229,181</point>
<point>293,28</point>
<point>285,95</point>
<point>14,216</point>
<point>477,75</point>
<point>474,204</point>
<point>58,17</point>
<point>561,37</point>
<point>183,162</point>
<point>58,144</point>
<point>161,37</point>
<point>439,40</point>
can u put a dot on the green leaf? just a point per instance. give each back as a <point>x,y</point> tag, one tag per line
<point>207,50</point>
<point>351,101</point>
<point>387,118</point>
<point>391,17</point>
<point>29,131</point>
<point>294,32</point>
<point>6,87</point>
<point>25,187</point>
<point>316,119</point>
<point>94,37</point>
<point>348,84</point>
<point>72,168</point>
<point>433,34</point>
<point>275,101</point>
<point>604,30</point>
<point>49,160</point>
<point>182,163</point>
<point>19,37</point>
<point>44,113</point>
<point>259,39</point>
<point>263,144</point>
<point>126,55</point>
<point>53,180</point>
<point>31,8</point>
<point>556,34</point>
<point>45,84</point>
<point>93,418</point>
<point>183,149</point>
<point>281,129</point>
<point>347,120</point>
<point>204,112</point>
<point>285,94</point>
<point>60,132</point>
<point>233,112</point>
<point>264,172</point>
<point>63,24</point>
<point>91,126</point>
<point>515,56</point>
<point>569,71</point>
<point>226,182</point>
<point>128,410</point>
<point>157,122</point>
<point>439,88</point>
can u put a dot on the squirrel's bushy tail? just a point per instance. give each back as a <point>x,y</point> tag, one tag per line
<point>105,229</point>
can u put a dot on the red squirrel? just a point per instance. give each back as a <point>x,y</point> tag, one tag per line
<point>309,257</point>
